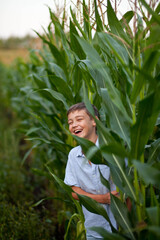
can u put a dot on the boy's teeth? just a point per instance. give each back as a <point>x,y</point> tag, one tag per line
<point>77,131</point>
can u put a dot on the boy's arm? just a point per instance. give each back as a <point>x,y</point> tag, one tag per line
<point>101,198</point>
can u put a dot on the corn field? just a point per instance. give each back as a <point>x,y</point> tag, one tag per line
<point>93,55</point>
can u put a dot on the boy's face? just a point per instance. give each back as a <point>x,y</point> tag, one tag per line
<point>81,125</point>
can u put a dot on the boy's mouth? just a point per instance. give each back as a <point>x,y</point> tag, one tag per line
<point>76,132</point>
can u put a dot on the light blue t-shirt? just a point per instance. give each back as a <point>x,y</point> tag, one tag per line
<point>81,174</point>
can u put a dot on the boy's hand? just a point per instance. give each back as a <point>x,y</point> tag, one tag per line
<point>101,198</point>
<point>108,196</point>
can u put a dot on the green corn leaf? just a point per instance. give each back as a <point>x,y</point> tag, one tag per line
<point>94,207</point>
<point>123,180</point>
<point>41,172</point>
<point>60,36</point>
<point>148,111</point>
<point>105,139</point>
<point>56,23</point>
<point>120,212</point>
<point>126,18</point>
<point>61,86</point>
<point>47,129</point>
<point>88,145</point>
<point>114,148</point>
<point>107,235</point>
<point>67,188</point>
<point>115,24</point>
<point>64,16</point>
<point>59,72</point>
<point>153,43</point>
<point>154,151</point>
<point>155,230</point>
<point>26,155</point>
<point>86,20</point>
<point>75,215</point>
<point>104,181</point>
<point>48,198</point>
<point>140,80</point>
<point>110,146</point>
<point>115,161</point>
<point>77,24</point>
<point>150,175</point>
<point>41,84</point>
<point>108,151</point>
<point>154,213</point>
<point>68,57</point>
<point>57,96</point>
<point>98,19</point>
<point>32,130</point>
<point>58,56</point>
<point>39,139</point>
<point>118,123</point>
<point>100,73</point>
<point>47,97</point>
<point>53,49</point>
<point>122,54</point>
<point>155,16</point>
<point>74,44</point>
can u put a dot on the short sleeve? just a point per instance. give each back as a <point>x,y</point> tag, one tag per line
<point>70,172</point>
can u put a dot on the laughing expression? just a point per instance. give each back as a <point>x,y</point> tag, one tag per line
<point>81,125</point>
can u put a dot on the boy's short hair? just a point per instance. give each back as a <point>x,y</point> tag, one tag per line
<point>82,106</point>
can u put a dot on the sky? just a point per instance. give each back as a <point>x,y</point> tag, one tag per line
<point>21,17</point>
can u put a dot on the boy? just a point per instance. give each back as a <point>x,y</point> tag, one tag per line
<point>82,175</point>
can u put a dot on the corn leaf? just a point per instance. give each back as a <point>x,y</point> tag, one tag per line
<point>116,118</point>
<point>108,42</point>
<point>57,96</point>
<point>140,80</point>
<point>67,188</point>
<point>154,151</point>
<point>150,175</point>
<point>95,207</point>
<point>77,24</point>
<point>61,85</point>
<point>121,214</point>
<point>74,44</point>
<point>123,181</point>
<point>154,14</point>
<point>115,24</point>
<point>96,65</point>
<point>98,19</point>
<point>86,20</point>
<point>154,213</point>
<point>148,111</point>
<point>107,235</point>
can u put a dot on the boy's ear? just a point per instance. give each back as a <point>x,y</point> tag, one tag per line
<point>94,123</point>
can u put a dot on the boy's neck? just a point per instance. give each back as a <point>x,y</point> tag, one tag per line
<point>94,138</point>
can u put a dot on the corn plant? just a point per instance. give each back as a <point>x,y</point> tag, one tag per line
<point>115,67</point>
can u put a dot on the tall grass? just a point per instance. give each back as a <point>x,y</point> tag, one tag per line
<point>20,188</point>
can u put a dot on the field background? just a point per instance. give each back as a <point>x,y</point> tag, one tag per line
<point>7,56</point>
<point>20,188</point>
<point>17,48</point>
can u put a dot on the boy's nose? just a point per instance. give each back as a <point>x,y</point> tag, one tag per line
<point>74,124</point>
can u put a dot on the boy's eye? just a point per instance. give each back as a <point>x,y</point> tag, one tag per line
<point>79,119</point>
